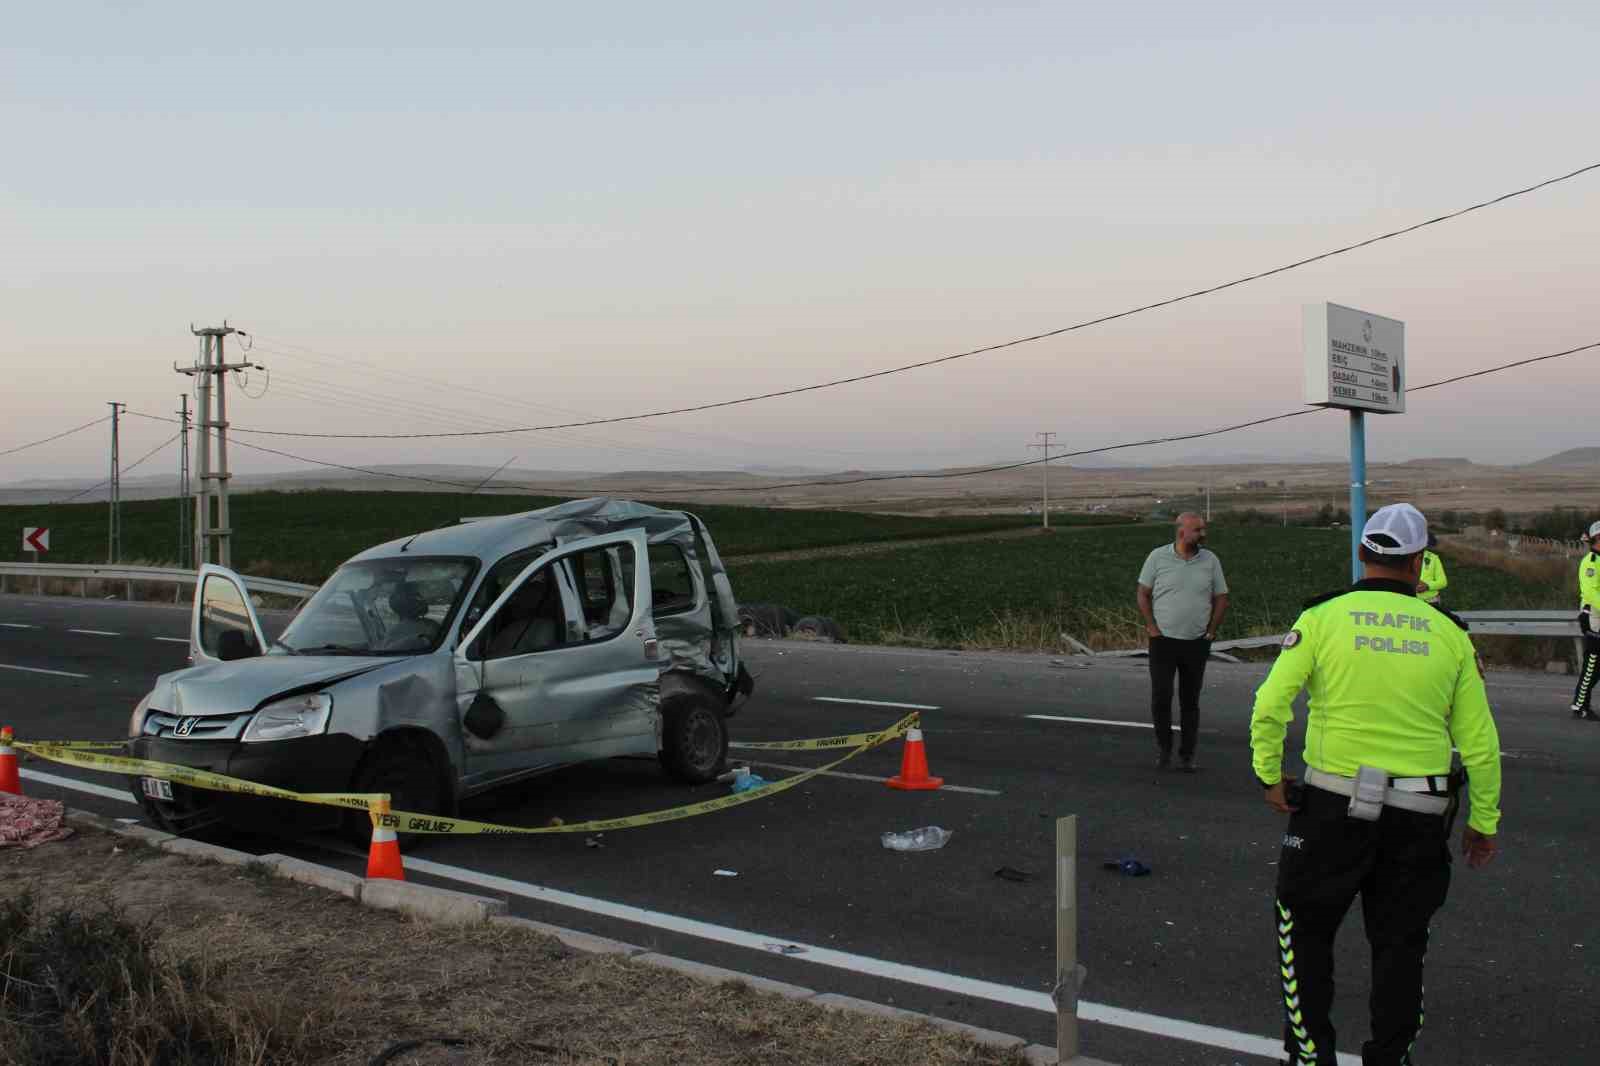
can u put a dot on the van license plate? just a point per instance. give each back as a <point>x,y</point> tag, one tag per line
<point>156,788</point>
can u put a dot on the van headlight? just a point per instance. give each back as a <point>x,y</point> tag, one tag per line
<point>136,720</point>
<point>297,716</point>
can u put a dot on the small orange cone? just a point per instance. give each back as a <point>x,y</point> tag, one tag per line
<point>10,780</point>
<point>383,859</point>
<point>913,773</point>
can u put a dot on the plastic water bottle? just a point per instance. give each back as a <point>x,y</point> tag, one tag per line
<point>928,838</point>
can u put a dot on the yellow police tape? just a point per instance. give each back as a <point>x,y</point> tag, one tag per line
<point>73,753</point>
<point>849,740</point>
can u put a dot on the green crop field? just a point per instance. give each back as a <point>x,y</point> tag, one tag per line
<point>302,536</point>
<point>1020,592</point>
<point>1023,593</point>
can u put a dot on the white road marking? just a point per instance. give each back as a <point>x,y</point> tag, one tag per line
<point>1139,1021</point>
<point>38,670</point>
<point>1090,721</point>
<point>869,777</point>
<point>174,640</point>
<point>876,703</point>
<point>895,971</point>
<point>16,625</point>
<point>95,632</point>
<point>81,786</point>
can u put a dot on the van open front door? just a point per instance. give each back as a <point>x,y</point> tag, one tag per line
<point>223,625</point>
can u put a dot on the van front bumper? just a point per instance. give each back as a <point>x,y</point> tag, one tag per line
<point>324,763</point>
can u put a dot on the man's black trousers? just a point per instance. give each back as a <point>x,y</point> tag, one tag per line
<point>1590,667</point>
<point>1400,866</point>
<point>1186,659</point>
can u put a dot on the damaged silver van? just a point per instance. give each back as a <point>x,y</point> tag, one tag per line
<point>443,664</point>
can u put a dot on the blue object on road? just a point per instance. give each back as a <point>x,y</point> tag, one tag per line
<point>1128,866</point>
<point>745,782</point>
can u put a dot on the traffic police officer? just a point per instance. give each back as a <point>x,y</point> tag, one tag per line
<point>1393,683</point>
<point>1433,580</point>
<point>1589,622</point>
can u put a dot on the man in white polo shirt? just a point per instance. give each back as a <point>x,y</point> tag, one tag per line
<point>1183,598</point>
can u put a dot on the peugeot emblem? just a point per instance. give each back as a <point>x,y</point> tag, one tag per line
<point>185,727</point>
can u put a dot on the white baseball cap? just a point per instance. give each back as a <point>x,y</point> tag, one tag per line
<point>1594,530</point>
<point>1399,522</point>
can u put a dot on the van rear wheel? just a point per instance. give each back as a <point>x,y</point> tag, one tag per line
<point>694,737</point>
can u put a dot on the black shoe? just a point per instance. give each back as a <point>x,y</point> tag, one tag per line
<point>1164,761</point>
<point>1578,710</point>
<point>1186,765</point>
<point>1589,716</point>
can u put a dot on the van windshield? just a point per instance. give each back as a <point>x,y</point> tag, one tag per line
<point>400,606</point>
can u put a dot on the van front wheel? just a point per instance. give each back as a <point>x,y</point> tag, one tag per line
<point>402,767</point>
<point>694,738</point>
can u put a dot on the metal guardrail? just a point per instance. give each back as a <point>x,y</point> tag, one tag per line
<point>1483,623</point>
<point>128,574</point>
<point>1523,623</point>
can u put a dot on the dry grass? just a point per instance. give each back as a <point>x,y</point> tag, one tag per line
<point>300,977</point>
<point>1557,570</point>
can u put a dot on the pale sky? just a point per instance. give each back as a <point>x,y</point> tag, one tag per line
<point>479,215</point>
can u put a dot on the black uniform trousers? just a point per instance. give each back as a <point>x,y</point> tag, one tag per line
<point>1186,659</point>
<point>1400,866</point>
<point>1590,666</point>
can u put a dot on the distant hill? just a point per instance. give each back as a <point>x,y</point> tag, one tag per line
<point>1439,460</point>
<point>1571,457</point>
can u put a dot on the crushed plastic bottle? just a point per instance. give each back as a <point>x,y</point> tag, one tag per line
<point>928,838</point>
<point>744,781</point>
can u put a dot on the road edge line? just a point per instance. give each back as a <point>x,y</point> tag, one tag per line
<point>446,910</point>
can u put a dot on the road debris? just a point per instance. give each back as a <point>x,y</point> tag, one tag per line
<point>928,838</point>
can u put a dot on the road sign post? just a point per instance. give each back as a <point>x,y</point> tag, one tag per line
<point>1067,978</point>
<point>1355,360</point>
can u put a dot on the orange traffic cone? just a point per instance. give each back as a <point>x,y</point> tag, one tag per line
<point>383,859</point>
<point>10,780</point>
<point>913,773</point>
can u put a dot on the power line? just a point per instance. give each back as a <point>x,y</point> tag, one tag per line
<point>1151,441</point>
<point>58,436</point>
<point>799,389</point>
<point>147,455</point>
<point>932,476</point>
<point>302,352</point>
<point>343,396</point>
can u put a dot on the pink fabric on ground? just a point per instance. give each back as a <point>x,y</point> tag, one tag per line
<point>27,823</point>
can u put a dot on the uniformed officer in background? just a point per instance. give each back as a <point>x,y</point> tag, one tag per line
<point>1430,586</point>
<point>1393,684</point>
<point>1589,622</point>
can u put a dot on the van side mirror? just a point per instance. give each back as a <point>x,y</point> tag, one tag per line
<point>236,644</point>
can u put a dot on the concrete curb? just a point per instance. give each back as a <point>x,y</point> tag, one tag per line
<point>196,849</point>
<point>433,904</point>
<point>717,975</point>
<point>584,943</point>
<point>309,873</point>
<point>462,908</point>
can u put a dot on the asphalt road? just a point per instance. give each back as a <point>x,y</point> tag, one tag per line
<point>1509,969</point>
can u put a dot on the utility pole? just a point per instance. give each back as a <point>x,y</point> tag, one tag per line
<point>185,497</point>
<point>114,529</point>
<point>1044,470</point>
<point>212,532</point>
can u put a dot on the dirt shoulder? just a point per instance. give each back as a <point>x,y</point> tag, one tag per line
<point>309,977</point>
